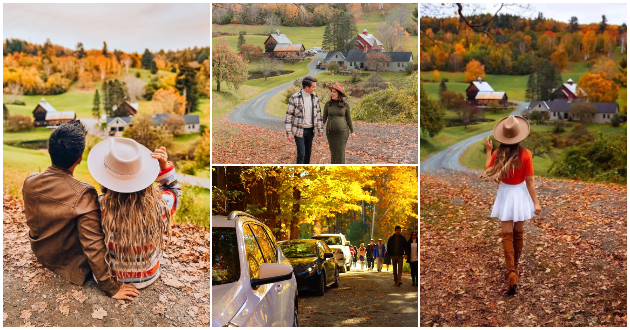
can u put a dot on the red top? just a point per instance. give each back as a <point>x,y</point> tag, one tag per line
<point>517,175</point>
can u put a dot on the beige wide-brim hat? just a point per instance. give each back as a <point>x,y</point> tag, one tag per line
<point>122,165</point>
<point>511,130</point>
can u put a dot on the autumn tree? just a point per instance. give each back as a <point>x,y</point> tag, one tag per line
<point>469,114</point>
<point>560,59</point>
<point>17,123</point>
<point>540,144</point>
<point>144,131</point>
<point>599,88</point>
<point>431,116</point>
<point>202,151</point>
<point>436,75</point>
<point>251,52</point>
<point>451,100</point>
<point>582,111</point>
<point>241,40</point>
<point>392,36</point>
<point>174,124</point>
<point>607,66</point>
<point>377,61</point>
<point>474,70</point>
<point>168,101</point>
<point>228,66</point>
<point>267,66</point>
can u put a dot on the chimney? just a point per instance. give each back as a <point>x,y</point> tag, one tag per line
<point>365,48</point>
<point>479,79</point>
<point>570,81</point>
<point>43,100</point>
<point>277,32</point>
<point>365,32</point>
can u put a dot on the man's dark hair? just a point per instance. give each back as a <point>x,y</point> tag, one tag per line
<point>67,143</point>
<point>398,227</point>
<point>308,81</point>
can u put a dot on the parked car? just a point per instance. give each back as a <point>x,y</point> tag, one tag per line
<point>317,49</point>
<point>313,263</point>
<point>252,281</point>
<point>338,241</point>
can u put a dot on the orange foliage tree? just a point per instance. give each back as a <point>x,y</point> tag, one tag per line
<point>599,88</point>
<point>168,101</point>
<point>474,70</point>
<point>560,58</point>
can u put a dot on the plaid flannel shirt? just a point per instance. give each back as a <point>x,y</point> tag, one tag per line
<point>294,120</point>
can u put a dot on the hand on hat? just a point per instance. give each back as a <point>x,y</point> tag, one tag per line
<point>161,156</point>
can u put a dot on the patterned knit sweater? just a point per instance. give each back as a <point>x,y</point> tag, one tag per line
<point>143,273</point>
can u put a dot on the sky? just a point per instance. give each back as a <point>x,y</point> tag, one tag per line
<point>126,27</point>
<point>616,13</point>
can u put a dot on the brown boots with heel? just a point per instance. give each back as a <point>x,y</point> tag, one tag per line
<point>508,252</point>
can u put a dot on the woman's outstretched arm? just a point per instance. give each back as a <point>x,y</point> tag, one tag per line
<point>488,144</point>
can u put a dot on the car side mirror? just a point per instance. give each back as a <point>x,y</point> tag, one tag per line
<point>271,273</point>
<point>328,255</point>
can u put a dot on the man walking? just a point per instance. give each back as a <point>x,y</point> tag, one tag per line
<point>304,115</point>
<point>379,254</point>
<point>370,255</point>
<point>396,245</point>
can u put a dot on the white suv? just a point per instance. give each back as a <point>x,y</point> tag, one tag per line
<point>338,241</point>
<point>252,281</point>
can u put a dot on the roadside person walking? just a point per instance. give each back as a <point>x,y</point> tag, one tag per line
<point>370,255</point>
<point>387,260</point>
<point>354,256</point>
<point>304,115</point>
<point>396,246</point>
<point>338,124</point>
<point>362,252</point>
<point>379,254</point>
<point>412,257</point>
<point>511,166</point>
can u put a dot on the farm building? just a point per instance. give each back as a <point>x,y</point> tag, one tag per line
<point>481,93</point>
<point>126,108</point>
<point>278,45</point>
<point>192,122</point>
<point>365,40</point>
<point>560,109</point>
<point>569,91</point>
<point>116,125</point>
<point>46,115</point>
<point>357,58</point>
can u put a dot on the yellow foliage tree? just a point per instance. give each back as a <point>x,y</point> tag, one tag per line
<point>560,58</point>
<point>436,75</point>
<point>599,88</point>
<point>474,70</point>
<point>168,101</point>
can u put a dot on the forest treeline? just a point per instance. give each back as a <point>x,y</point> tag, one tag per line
<point>297,202</point>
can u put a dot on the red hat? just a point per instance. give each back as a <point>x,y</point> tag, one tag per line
<point>339,89</point>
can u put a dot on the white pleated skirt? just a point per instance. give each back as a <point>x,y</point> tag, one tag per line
<point>513,203</point>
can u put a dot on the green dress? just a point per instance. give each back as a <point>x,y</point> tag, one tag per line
<point>338,128</point>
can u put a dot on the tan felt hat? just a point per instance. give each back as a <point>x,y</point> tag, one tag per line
<point>122,165</point>
<point>339,89</point>
<point>511,130</point>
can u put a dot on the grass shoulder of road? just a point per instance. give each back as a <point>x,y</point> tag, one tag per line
<point>474,156</point>
<point>451,135</point>
<point>19,163</point>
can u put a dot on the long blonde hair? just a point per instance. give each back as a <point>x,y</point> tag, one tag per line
<point>135,221</point>
<point>508,159</point>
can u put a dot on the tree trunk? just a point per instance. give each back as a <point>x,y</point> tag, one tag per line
<point>363,211</point>
<point>218,86</point>
<point>295,222</point>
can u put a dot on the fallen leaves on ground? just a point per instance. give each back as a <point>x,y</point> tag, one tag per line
<point>25,315</point>
<point>99,314</point>
<point>39,307</point>
<point>573,268</point>
<point>79,296</point>
<point>235,143</point>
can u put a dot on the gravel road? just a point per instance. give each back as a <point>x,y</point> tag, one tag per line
<point>448,159</point>
<point>253,112</point>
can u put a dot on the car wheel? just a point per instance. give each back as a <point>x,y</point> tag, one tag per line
<point>336,284</point>
<point>295,312</point>
<point>348,268</point>
<point>322,285</point>
<point>342,268</point>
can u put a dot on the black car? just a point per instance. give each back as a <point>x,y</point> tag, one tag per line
<point>313,263</point>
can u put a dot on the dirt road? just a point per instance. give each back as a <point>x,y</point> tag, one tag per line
<point>364,298</point>
<point>35,296</point>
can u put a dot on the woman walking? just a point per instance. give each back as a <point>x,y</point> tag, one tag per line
<point>354,256</point>
<point>388,261</point>
<point>338,123</point>
<point>362,252</point>
<point>412,257</point>
<point>516,201</point>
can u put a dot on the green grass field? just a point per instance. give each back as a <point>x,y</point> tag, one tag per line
<point>18,163</point>
<point>474,156</point>
<point>38,133</point>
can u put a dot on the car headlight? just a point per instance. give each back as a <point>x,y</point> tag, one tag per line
<point>310,269</point>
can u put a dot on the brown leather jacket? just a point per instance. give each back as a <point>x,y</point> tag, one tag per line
<point>64,218</point>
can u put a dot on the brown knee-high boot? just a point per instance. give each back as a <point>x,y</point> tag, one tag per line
<point>508,252</point>
<point>518,248</point>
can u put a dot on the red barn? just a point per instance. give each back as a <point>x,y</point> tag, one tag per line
<point>569,91</point>
<point>366,41</point>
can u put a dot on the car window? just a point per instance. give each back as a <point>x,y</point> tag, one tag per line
<point>320,250</point>
<point>330,240</point>
<point>326,248</point>
<point>254,254</point>
<point>225,263</point>
<point>266,246</point>
<point>298,249</point>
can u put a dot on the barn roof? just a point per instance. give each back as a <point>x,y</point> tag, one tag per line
<point>280,38</point>
<point>159,118</point>
<point>489,95</point>
<point>342,53</point>
<point>483,86</point>
<point>47,106</point>
<point>60,115</point>
<point>288,47</point>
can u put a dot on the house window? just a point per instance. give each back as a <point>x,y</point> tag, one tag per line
<point>336,56</point>
<point>398,64</point>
